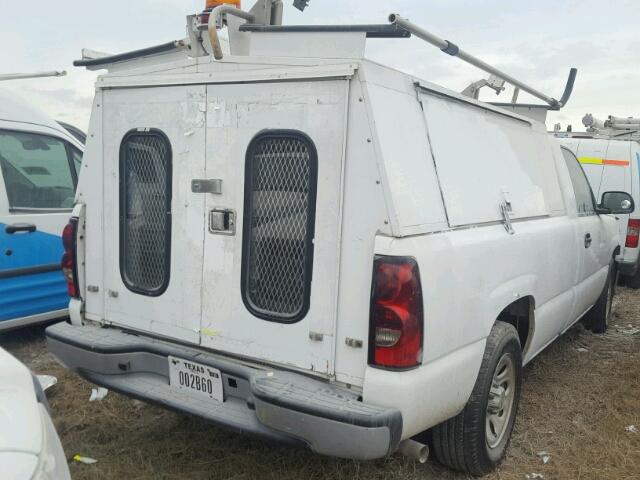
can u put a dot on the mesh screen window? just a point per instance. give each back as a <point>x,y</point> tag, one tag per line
<point>279,219</point>
<point>145,211</point>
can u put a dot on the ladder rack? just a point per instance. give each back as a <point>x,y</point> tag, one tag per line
<point>452,49</point>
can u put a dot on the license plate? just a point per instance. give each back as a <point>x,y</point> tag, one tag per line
<point>194,377</point>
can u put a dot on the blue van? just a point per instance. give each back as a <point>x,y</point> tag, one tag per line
<point>39,166</point>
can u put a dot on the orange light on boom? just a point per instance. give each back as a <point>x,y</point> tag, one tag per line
<point>216,3</point>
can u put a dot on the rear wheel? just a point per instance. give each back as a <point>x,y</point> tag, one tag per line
<point>475,441</point>
<point>598,317</point>
<point>633,281</point>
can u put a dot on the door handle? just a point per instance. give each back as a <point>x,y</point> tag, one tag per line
<point>222,221</point>
<point>587,240</point>
<point>20,227</point>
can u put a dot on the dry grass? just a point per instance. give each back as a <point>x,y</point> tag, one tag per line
<point>575,406</point>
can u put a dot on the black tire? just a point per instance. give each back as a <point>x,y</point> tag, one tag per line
<point>461,443</point>
<point>632,281</point>
<point>597,319</point>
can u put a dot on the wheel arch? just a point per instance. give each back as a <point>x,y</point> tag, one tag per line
<point>514,303</point>
<point>521,314</point>
<point>616,251</point>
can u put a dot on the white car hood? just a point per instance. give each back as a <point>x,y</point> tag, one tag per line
<point>21,430</point>
<point>18,465</point>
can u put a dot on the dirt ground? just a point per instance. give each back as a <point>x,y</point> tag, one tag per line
<point>579,395</point>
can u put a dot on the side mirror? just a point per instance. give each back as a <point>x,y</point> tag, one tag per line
<point>616,203</point>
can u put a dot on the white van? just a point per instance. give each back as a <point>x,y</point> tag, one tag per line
<point>39,167</point>
<point>611,159</point>
<point>295,242</point>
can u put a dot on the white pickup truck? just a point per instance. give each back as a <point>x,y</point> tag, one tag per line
<point>610,156</point>
<point>292,241</point>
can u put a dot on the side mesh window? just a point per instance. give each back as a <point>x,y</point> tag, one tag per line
<point>145,211</point>
<point>279,218</point>
<point>584,195</point>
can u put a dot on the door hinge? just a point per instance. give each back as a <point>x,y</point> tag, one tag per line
<point>353,342</point>
<point>316,336</point>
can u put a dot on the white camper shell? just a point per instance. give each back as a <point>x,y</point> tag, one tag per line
<point>611,160</point>
<point>297,242</point>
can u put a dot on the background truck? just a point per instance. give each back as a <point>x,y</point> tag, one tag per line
<point>609,152</point>
<point>39,166</point>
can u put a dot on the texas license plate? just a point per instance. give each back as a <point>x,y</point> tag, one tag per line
<point>196,378</point>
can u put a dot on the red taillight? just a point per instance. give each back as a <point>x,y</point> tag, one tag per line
<point>396,317</point>
<point>69,267</point>
<point>633,233</point>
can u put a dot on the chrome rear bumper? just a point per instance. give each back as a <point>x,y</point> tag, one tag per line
<point>274,404</point>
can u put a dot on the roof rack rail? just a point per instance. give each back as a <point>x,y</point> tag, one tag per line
<point>372,31</point>
<point>452,49</point>
<point>20,76</point>
<point>105,59</point>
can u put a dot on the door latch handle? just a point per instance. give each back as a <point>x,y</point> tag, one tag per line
<point>505,209</point>
<point>587,240</point>
<point>222,221</point>
<point>20,227</point>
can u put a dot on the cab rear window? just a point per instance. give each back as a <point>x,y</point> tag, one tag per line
<point>38,171</point>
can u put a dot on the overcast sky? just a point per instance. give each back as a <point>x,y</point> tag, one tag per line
<point>535,41</point>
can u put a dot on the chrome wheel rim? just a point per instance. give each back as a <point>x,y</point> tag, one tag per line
<point>501,400</point>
